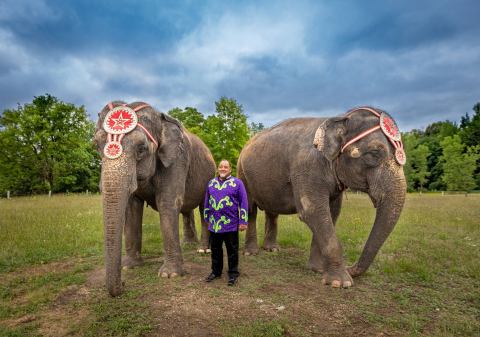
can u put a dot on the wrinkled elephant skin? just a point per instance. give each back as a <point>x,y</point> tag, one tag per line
<point>298,167</point>
<point>160,164</point>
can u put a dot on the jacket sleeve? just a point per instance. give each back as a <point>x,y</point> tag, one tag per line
<point>206,209</point>
<point>243,201</point>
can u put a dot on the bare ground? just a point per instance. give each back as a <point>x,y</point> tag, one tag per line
<point>274,290</point>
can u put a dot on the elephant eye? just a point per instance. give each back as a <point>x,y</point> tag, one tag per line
<point>142,148</point>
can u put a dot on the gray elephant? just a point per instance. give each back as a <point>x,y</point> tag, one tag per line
<point>148,157</point>
<point>302,165</point>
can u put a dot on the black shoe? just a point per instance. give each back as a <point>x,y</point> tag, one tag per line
<point>211,277</point>
<point>232,280</point>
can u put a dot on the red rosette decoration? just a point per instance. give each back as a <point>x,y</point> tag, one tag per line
<point>113,150</point>
<point>121,119</point>
<point>400,156</point>
<point>389,127</point>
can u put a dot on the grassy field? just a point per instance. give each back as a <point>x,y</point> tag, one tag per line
<point>424,282</point>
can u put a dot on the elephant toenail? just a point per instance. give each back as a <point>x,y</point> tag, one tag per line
<point>173,275</point>
<point>347,284</point>
<point>201,251</point>
<point>208,251</point>
<point>164,275</point>
<point>336,284</point>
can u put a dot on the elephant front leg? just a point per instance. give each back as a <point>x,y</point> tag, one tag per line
<point>251,244</point>
<point>173,262</point>
<point>270,242</point>
<point>318,218</point>
<point>189,230</point>
<point>317,262</point>
<point>133,233</point>
<point>204,246</point>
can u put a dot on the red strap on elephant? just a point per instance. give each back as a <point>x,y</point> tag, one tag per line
<point>119,121</point>
<point>389,128</point>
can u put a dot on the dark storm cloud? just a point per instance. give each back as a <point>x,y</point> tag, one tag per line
<point>417,60</point>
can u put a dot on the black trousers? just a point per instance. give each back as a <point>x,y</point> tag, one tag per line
<point>231,242</point>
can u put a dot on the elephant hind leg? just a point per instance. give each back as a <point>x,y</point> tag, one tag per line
<point>270,242</point>
<point>204,246</point>
<point>189,230</point>
<point>251,243</point>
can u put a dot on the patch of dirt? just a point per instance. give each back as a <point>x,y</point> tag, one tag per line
<point>96,278</point>
<point>196,308</point>
<point>188,306</point>
<point>38,270</point>
<point>59,320</point>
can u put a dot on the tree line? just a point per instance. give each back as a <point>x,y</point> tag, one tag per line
<point>445,156</point>
<point>46,145</point>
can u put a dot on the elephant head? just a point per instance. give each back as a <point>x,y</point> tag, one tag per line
<point>365,150</point>
<point>130,139</point>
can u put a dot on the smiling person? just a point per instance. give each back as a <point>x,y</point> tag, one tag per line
<point>226,211</point>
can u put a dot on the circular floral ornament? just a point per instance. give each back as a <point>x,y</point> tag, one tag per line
<point>121,119</point>
<point>389,127</point>
<point>113,150</point>
<point>400,156</point>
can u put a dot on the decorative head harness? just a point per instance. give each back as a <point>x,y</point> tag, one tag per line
<point>389,128</point>
<point>119,121</point>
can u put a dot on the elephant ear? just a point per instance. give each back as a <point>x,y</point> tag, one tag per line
<point>330,136</point>
<point>171,140</point>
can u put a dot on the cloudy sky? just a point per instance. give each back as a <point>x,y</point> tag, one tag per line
<point>419,60</point>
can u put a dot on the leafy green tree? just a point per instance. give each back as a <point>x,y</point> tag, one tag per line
<point>416,168</point>
<point>458,166</point>
<point>433,135</point>
<point>46,145</point>
<point>227,131</point>
<point>191,118</point>
<point>471,127</point>
<point>470,133</point>
<point>420,156</point>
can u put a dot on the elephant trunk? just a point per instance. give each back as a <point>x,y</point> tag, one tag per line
<point>116,189</point>
<point>389,204</point>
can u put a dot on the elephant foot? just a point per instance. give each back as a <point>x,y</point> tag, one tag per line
<point>338,279</point>
<point>129,262</point>
<point>271,247</point>
<point>251,250</point>
<point>170,270</point>
<point>355,271</point>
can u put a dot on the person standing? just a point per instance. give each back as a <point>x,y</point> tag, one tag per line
<point>226,211</point>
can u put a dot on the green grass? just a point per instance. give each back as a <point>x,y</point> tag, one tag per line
<point>123,316</point>
<point>254,329</point>
<point>424,282</point>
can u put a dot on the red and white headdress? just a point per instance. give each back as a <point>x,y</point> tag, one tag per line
<point>119,121</point>
<point>388,127</point>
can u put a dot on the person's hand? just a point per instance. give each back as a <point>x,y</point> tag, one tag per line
<point>242,227</point>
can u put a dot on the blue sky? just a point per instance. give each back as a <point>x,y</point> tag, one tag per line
<point>418,60</point>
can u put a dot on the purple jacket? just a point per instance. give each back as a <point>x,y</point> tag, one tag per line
<point>226,205</point>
